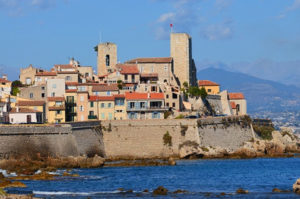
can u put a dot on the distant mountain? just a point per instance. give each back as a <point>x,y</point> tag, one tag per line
<point>262,95</point>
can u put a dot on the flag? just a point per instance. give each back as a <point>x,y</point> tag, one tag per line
<point>171,25</point>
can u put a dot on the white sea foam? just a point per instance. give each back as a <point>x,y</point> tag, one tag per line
<point>4,172</point>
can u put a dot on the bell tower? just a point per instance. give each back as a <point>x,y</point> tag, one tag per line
<point>107,58</point>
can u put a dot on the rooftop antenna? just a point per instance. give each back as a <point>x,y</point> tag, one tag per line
<point>100,37</point>
<point>171,26</point>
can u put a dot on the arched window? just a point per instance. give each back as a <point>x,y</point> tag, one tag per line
<point>107,60</point>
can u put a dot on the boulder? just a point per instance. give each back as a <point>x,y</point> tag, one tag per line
<point>296,186</point>
<point>97,161</point>
<point>241,191</point>
<point>160,191</point>
<point>171,161</point>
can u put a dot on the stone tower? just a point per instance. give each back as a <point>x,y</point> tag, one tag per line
<point>107,58</point>
<point>183,63</point>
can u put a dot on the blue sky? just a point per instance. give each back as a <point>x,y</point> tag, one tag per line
<point>237,33</point>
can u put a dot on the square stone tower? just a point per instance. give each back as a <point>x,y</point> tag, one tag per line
<point>107,58</point>
<point>183,63</point>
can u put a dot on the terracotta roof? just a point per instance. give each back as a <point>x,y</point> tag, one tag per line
<point>99,88</point>
<point>23,110</point>
<point>64,66</point>
<point>4,80</point>
<point>236,96</point>
<point>149,75</point>
<point>31,103</point>
<point>67,72</point>
<point>129,84</point>
<point>102,76</point>
<point>101,98</point>
<point>71,90</point>
<point>151,60</point>
<point>138,96</point>
<point>128,68</point>
<point>56,99</point>
<point>71,83</point>
<point>207,83</point>
<point>233,105</point>
<point>46,74</point>
<point>56,108</point>
<point>119,96</point>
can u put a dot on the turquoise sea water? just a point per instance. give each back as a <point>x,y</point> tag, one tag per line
<point>201,178</point>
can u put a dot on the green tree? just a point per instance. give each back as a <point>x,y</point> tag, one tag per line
<point>120,84</point>
<point>15,91</point>
<point>96,48</point>
<point>203,93</point>
<point>16,83</point>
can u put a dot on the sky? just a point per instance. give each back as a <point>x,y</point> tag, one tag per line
<point>257,37</point>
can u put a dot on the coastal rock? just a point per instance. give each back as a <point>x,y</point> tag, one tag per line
<point>242,191</point>
<point>160,191</point>
<point>97,161</point>
<point>276,190</point>
<point>296,186</point>
<point>171,161</point>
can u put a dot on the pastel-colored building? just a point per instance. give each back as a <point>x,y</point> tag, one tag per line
<point>103,107</point>
<point>238,103</point>
<point>56,110</point>
<point>39,106</point>
<point>5,86</point>
<point>145,105</point>
<point>25,116</point>
<point>212,88</point>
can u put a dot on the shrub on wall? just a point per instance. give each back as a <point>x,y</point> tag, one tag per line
<point>265,132</point>
<point>167,138</point>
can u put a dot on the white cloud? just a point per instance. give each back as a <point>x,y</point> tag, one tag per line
<point>223,4</point>
<point>166,17</point>
<point>293,7</point>
<point>218,31</point>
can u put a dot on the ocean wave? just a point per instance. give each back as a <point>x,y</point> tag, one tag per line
<point>73,193</point>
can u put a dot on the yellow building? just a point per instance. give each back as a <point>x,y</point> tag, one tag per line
<point>120,107</point>
<point>102,107</point>
<point>212,88</point>
<point>56,109</point>
<point>5,86</point>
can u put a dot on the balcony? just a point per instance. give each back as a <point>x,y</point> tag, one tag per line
<point>92,117</point>
<point>151,108</point>
<point>56,108</point>
<point>70,103</point>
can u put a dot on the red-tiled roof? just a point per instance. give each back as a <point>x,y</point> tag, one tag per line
<point>151,60</point>
<point>127,68</point>
<point>119,96</point>
<point>138,96</point>
<point>71,90</point>
<point>67,72</point>
<point>233,105</point>
<point>149,75</point>
<point>23,110</point>
<point>207,83</point>
<point>55,108</point>
<point>56,99</point>
<point>46,73</point>
<point>71,83</point>
<point>2,80</point>
<point>101,98</point>
<point>236,96</point>
<point>99,88</point>
<point>31,103</point>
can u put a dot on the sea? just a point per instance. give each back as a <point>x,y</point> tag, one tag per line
<point>218,178</point>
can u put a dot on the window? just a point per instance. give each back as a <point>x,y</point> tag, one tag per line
<point>68,78</point>
<point>91,104</point>
<point>152,69</point>
<point>43,87</point>
<point>119,102</point>
<point>126,77</point>
<point>155,115</point>
<point>109,105</point>
<point>81,88</point>
<point>81,108</point>
<point>167,96</point>
<point>81,98</point>
<point>208,90</point>
<point>108,93</point>
<point>167,104</point>
<point>28,80</point>
<point>110,116</point>
<point>142,104</point>
<point>102,115</point>
<point>173,104</point>
<point>102,105</point>
<point>174,96</point>
<point>58,112</point>
<point>53,85</point>
<point>58,103</point>
<point>82,117</point>
<point>166,68</point>
<point>31,95</point>
<point>43,95</point>
<point>132,78</point>
<point>53,94</point>
<point>91,113</point>
<point>107,60</point>
<point>153,88</point>
<point>87,74</point>
<point>131,104</point>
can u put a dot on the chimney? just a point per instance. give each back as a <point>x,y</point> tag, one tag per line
<point>4,77</point>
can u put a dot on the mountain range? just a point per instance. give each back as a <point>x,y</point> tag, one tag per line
<point>261,95</point>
